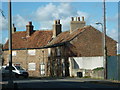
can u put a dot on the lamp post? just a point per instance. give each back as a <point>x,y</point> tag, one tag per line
<point>25,38</point>
<point>103,49</point>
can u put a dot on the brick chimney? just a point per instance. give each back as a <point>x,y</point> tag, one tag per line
<point>13,28</point>
<point>76,23</point>
<point>56,28</point>
<point>29,29</point>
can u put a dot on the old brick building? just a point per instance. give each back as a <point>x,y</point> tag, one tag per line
<point>80,41</point>
<point>47,52</point>
<point>28,50</point>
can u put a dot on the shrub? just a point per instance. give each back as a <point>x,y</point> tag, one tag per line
<point>99,68</point>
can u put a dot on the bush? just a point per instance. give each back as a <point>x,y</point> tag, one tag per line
<point>97,69</point>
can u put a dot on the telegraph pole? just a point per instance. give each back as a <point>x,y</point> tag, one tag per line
<point>105,51</point>
<point>10,81</point>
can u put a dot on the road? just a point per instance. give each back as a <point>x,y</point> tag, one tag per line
<point>91,84</point>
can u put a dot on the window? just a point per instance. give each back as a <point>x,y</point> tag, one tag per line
<point>13,53</point>
<point>31,52</point>
<point>7,68</point>
<point>58,51</point>
<point>49,51</point>
<point>42,69</point>
<point>32,66</point>
<point>19,67</point>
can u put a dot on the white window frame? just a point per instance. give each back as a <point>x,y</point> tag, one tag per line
<point>32,66</point>
<point>49,51</point>
<point>32,52</point>
<point>42,69</point>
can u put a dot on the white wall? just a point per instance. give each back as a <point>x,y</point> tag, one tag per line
<point>88,62</point>
<point>77,63</point>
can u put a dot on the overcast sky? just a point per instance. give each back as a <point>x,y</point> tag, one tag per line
<point>43,14</point>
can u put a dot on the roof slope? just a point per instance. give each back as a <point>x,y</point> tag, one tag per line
<point>67,36</point>
<point>36,40</point>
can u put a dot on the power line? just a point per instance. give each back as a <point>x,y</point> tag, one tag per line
<point>2,13</point>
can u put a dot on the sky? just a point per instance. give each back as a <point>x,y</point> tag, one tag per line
<point>43,14</point>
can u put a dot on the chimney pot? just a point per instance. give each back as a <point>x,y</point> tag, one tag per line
<point>55,22</point>
<point>72,18</point>
<point>78,18</point>
<point>13,28</point>
<point>82,18</point>
<point>58,22</point>
<point>30,23</point>
<point>13,25</point>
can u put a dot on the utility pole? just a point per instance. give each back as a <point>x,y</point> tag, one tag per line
<point>105,51</point>
<point>10,81</point>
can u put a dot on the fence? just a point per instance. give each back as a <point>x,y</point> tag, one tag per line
<point>113,67</point>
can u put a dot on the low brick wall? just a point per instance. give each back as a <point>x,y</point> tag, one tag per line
<point>97,74</point>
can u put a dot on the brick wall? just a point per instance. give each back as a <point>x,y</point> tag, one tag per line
<point>24,59</point>
<point>89,43</point>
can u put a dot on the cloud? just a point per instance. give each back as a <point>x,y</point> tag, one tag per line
<point>86,15</point>
<point>66,23</point>
<point>97,26</point>
<point>4,23</point>
<point>46,25</point>
<point>113,19</point>
<point>113,33</point>
<point>51,11</point>
<point>5,40</point>
<point>20,22</point>
<point>45,15</point>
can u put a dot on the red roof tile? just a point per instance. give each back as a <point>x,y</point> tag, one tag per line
<point>36,40</point>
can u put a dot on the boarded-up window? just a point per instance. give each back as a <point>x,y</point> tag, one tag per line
<point>31,52</point>
<point>14,53</point>
<point>32,66</point>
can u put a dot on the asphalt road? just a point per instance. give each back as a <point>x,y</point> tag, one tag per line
<point>91,84</point>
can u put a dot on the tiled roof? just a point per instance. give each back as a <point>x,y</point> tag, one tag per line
<point>36,40</point>
<point>44,38</point>
<point>67,36</point>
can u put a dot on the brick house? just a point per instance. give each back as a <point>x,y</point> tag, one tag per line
<point>47,52</point>
<point>80,41</point>
<point>28,50</point>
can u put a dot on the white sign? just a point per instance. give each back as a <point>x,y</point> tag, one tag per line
<point>13,53</point>
<point>31,52</point>
<point>32,66</point>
